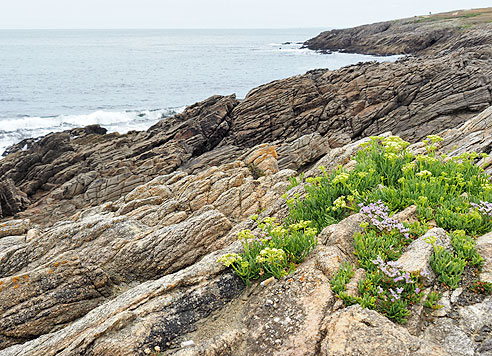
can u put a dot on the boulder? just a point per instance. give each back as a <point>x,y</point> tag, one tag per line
<point>417,255</point>
<point>342,234</point>
<point>354,331</point>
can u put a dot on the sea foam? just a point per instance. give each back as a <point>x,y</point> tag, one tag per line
<point>13,130</point>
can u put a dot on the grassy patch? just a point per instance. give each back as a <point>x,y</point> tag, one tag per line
<point>452,193</point>
<point>275,252</point>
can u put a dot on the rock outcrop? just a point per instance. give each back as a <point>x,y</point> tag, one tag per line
<point>419,35</point>
<point>109,243</point>
<point>304,117</point>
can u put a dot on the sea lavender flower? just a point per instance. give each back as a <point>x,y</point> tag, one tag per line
<point>484,207</point>
<point>397,279</point>
<point>407,278</point>
<point>378,215</point>
<point>395,295</point>
<point>392,269</point>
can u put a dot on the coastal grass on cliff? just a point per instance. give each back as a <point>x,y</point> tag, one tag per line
<point>275,252</point>
<point>451,193</point>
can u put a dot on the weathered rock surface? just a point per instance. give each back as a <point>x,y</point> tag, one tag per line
<point>304,116</point>
<point>412,98</point>
<point>467,333</point>
<point>354,331</point>
<point>156,229</point>
<point>74,169</point>
<point>14,227</point>
<point>484,248</point>
<point>417,255</point>
<point>12,200</point>
<point>474,135</point>
<point>119,254</point>
<point>153,313</point>
<point>342,234</point>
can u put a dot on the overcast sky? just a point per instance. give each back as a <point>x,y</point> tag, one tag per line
<point>215,13</point>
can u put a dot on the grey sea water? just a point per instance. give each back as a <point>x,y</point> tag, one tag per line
<point>51,80</point>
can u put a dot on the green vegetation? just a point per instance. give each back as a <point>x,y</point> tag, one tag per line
<point>450,192</point>
<point>386,171</point>
<point>342,277</point>
<point>274,253</point>
<point>464,19</point>
<point>449,268</point>
<point>431,301</point>
<point>453,192</point>
<point>480,287</point>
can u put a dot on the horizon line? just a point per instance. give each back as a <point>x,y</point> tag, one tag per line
<point>162,28</point>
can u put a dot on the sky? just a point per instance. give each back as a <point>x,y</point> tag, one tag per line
<point>103,14</point>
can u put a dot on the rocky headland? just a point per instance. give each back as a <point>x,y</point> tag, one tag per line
<point>109,242</point>
<point>418,35</point>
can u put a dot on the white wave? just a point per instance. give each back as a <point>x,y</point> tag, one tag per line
<point>298,50</point>
<point>13,130</point>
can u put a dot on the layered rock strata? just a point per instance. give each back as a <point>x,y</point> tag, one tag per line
<point>114,246</point>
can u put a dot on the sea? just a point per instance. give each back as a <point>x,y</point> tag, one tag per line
<point>53,80</point>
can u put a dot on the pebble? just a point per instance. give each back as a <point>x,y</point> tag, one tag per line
<point>456,293</point>
<point>188,343</point>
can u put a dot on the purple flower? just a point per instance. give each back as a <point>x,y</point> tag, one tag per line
<point>397,279</point>
<point>378,214</point>
<point>484,207</point>
<point>395,295</point>
<point>407,278</point>
<point>417,290</point>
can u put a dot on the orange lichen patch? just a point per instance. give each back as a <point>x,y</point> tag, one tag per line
<point>1,289</point>
<point>25,276</point>
<point>1,282</point>
<point>50,271</point>
<point>63,262</point>
<point>290,280</point>
<point>265,153</point>
<point>301,278</point>
<point>56,264</point>
<point>269,151</point>
<point>16,286</point>
<point>15,279</point>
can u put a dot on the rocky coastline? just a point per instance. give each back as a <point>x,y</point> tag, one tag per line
<point>109,242</point>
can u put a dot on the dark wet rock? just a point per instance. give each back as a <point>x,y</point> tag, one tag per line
<point>12,199</point>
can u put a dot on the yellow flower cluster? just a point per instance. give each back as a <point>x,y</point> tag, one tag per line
<point>340,178</point>
<point>270,255</point>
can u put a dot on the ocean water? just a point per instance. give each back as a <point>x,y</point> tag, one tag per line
<point>53,80</point>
